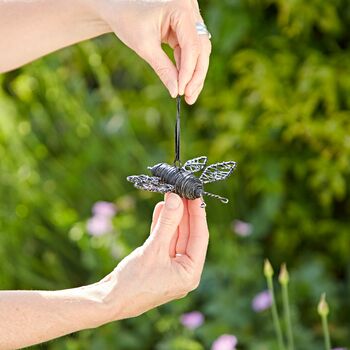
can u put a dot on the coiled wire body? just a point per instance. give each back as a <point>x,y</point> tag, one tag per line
<point>185,183</point>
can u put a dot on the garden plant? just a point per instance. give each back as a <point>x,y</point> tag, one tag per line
<point>76,123</point>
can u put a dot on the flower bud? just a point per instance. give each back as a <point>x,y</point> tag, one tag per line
<point>268,270</point>
<point>284,275</point>
<point>323,308</point>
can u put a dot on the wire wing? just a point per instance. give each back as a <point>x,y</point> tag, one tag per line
<point>217,172</point>
<point>195,164</point>
<point>150,183</point>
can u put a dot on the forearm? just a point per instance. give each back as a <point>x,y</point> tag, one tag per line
<point>31,317</point>
<point>31,29</point>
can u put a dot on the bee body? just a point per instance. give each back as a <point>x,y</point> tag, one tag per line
<point>184,182</point>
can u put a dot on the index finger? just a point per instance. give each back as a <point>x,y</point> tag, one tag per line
<point>199,233</point>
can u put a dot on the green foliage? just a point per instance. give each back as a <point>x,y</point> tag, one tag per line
<point>74,124</point>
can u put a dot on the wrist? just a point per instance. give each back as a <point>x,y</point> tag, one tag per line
<point>107,303</point>
<point>89,15</point>
<point>89,306</point>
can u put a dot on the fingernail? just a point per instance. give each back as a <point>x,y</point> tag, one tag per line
<point>172,201</point>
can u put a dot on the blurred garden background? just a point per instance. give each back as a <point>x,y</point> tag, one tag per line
<point>74,124</point>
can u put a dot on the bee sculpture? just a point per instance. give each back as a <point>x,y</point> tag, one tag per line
<point>181,180</point>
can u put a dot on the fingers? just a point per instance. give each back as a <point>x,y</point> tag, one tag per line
<point>183,24</point>
<point>156,212</point>
<point>174,44</point>
<point>193,53</point>
<point>199,234</point>
<point>169,219</point>
<point>184,230</point>
<point>163,67</point>
<point>179,241</point>
<point>194,87</point>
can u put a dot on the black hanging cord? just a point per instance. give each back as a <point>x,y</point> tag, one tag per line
<point>177,161</point>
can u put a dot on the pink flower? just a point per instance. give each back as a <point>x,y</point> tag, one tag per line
<point>242,228</point>
<point>225,342</point>
<point>262,301</point>
<point>192,320</point>
<point>101,221</point>
<point>99,225</point>
<point>106,209</point>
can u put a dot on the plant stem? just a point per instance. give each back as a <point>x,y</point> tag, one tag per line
<point>327,341</point>
<point>275,317</point>
<point>287,318</point>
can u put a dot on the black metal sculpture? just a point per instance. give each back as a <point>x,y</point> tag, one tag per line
<point>170,178</point>
<point>181,179</point>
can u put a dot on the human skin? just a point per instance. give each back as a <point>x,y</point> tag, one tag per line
<point>166,267</point>
<point>30,29</point>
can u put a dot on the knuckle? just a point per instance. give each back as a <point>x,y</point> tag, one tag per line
<point>166,222</point>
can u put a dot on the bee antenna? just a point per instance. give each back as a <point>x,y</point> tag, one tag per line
<point>222,199</point>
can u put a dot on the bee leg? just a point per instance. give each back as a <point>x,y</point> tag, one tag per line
<point>222,199</point>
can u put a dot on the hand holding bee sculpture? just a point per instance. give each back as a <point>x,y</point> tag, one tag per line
<point>181,179</point>
<point>170,178</point>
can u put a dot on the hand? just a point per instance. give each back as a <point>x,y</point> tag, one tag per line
<point>167,266</point>
<point>144,25</point>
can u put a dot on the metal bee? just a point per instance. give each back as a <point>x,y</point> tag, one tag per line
<point>181,180</point>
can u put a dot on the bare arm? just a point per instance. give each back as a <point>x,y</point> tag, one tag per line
<point>30,29</point>
<point>166,267</point>
<point>31,317</point>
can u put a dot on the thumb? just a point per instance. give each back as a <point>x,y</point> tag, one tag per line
<point>163,66</point>
<point>169,218</point>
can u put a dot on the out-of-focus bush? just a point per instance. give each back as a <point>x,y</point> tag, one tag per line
<point>74,124</point>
